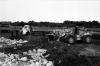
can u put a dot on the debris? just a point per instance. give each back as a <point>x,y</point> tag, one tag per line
<point>37,59</point>
<point>11,42</point>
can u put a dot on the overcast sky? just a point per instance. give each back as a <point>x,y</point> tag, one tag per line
<point>49,10</point>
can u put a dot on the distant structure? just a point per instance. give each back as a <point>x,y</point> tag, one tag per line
<point>26,30</point>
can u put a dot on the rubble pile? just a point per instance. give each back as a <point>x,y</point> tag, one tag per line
<point>36,59</point>
<point>9,41</point>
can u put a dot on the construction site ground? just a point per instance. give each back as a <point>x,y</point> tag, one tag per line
<point>78,54</point>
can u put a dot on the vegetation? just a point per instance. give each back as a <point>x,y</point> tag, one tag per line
<point>88,24</point>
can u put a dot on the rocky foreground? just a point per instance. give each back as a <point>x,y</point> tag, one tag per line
<point>43,53</point>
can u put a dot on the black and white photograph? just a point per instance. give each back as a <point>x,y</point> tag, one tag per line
<point>49,32</point>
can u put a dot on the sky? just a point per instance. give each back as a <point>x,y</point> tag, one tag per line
<point>49,10</point>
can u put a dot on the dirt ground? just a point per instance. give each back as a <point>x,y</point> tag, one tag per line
<point>63,54</point>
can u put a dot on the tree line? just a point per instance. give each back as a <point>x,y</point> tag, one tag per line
<point>67,23</point>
